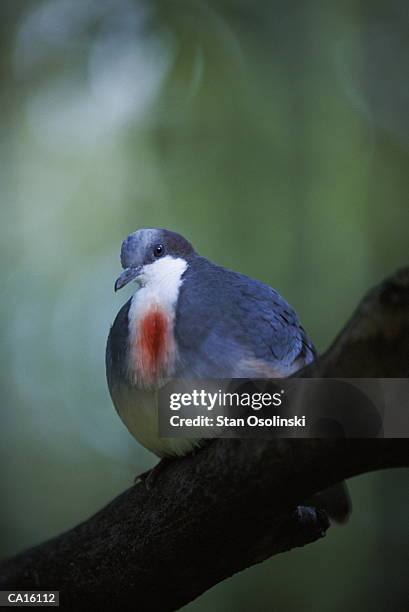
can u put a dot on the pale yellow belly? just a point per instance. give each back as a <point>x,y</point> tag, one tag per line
<point>139,411</point>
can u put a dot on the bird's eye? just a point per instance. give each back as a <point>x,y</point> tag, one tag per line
<point>158,250</point>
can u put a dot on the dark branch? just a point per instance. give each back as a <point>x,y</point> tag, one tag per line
<point>375,341</point>
<point>232,504</point>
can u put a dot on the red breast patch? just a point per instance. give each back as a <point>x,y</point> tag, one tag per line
<point>152,347</point>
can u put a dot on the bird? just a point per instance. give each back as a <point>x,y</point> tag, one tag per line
<point>190,318</point>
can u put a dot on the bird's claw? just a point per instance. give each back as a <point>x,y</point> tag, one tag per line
<point>150,477</point>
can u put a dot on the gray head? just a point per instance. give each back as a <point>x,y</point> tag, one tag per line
<point>142,249</point>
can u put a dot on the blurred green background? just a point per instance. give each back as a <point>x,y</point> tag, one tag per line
<point>273,135</point>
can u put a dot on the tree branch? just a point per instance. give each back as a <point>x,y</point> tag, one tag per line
<point>234,503</point>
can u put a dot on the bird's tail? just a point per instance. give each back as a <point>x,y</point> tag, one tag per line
<point>335,501</point>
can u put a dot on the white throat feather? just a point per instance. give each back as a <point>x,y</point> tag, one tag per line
<point>152,351</point>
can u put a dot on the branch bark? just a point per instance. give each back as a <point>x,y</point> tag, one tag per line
<point>233,504</point>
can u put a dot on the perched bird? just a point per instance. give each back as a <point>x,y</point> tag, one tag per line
<point>191,318</point>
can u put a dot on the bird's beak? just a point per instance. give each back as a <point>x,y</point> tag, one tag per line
<point>128,275</point>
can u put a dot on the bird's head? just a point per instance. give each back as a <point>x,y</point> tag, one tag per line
<point>148,255</point>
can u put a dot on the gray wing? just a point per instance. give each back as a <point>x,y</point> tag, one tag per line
<point>116,354</point>
<point>235,327</point>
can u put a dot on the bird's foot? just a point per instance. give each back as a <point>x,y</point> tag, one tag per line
<point>150,477</point>
<point>141,477</point>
